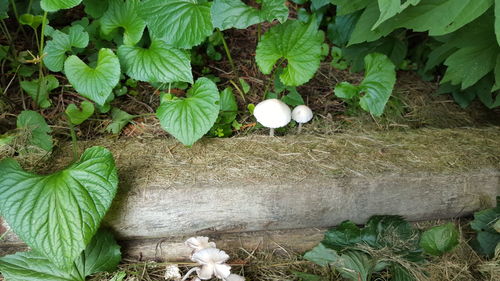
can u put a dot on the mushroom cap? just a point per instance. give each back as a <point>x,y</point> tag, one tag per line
<point>302,114</point>
<point>272,113</point>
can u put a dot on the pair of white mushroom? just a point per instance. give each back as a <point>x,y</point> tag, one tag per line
<point>273,113</point>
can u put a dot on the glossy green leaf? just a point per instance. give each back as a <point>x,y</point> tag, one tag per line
<point>346,90</point>
<point>31,20</point>
<point>102,254</point>
<point>78,115</point>
<point>390,8</point>
<point>94,83</point>
<point>180,23</point>
<point>322,255</point>
<point>487,236</point>
<point>159,63</point>
<point>440,239</point>
<point>297,43</point>
<point>190,118</point>
<point>124,14</point>
<point>56,5</point>
<point>58,214</point>
<point>234,13</point>
<point>62,43</point>
<point>96,8</point>
<point>39,92</point>
<point>293,98</point>
<point>120,120</point>
<point>35,131</point>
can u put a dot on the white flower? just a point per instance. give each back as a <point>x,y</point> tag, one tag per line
<point>212,263</point>
<point>235,277</point>
<point>172,272</point>
<point>199,243</point>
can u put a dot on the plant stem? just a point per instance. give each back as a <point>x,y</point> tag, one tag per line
<point>231,62</point>
<point>74,143</point>
<point>40,55</point>
<point>189,273</point>
<point>300,128</point>
<point>272,77</point>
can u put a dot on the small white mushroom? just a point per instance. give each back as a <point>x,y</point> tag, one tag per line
<point>302,114</point>
<point>272,113</point>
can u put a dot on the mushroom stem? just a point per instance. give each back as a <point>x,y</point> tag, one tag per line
<point>300,128</point>
<point>189,273</point>
<point>271,132</point>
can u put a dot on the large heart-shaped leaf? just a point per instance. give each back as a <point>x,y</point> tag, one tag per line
<point>34,130</point>
<point>234,13</point>
<point>58,214</point>
<point>94,83</point>
<point>190,118</point>
<point>102,254</point>
<point>62,43</point>
<point>124,15</point>
<point>39,91</point>
<point>298,43</point>
<point>181,23</point>
<point>55,5</point>
<point>158,63</point>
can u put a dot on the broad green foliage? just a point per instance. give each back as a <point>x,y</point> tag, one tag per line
<point>190,118</point>
<point>39,91</point>
<point>58,214</point>
<point>94,83</point>
<point>440,239</point>
<point>377,86</point>
<point>34,130</point>
<point>390,8</point>
<point>31,20</point>
<point>55,5</point>
<point>297,43</point>
<point>228,111</point>
<point>96,8</point>
<point>124,15</point>
<point>76,115</point>
<point>234,13</point>
<point>488,238</point>
<point>180,23</point>
<point>321,255</point>
<point>497,20</point>
<point>102,254</point>
<point>63,43</point>
<point>120,120</point>
<point>159,63</point>
<point>345,7</point>
<point>4,8</point>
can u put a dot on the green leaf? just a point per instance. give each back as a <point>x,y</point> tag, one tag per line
<point>159,63</point>
<point>244,85</point>
<point>119,276</point>
<point>180,23</point>
<point>4,8</point>
<point>124,15</point>
<point>293,98</point>
<point>102,254</point>
<point>55,5</point>
<point>487,237</point>
<point>39,92</point>
<point>345,7</point>
<point>234,13</point>
<point>322,255</point>
<point>228,107</point>
<point>120,120</point>
<point>440,239</point>
<point>94,83</point>
<point>36,131</point>
<point>400,273</point>
<point>380,231</point>
<point>78,116</point>
<point>390,8</point>
<point>63,43</point>
<point>58,214</point>
<point>355,266</point>
<point>340,31</point>
<point>345,235</point>
<point>96,8</point>
<point>31,20</point>
<point>497,20</point>
<point>190,118</point>
<point>297,43</point>
<point>346,90</point>
<point>307,277</point>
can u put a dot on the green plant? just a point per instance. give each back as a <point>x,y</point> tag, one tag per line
<point>386,243</point>
<point>486,223</point>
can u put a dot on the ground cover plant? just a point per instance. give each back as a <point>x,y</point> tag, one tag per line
<point>70,65</point>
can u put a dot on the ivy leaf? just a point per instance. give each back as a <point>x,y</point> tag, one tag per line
<point>39,91</point>
<point>124,15</point>
<point>234,13</point>
<point>296,42</point>
<point>63,43</point>
<point>58,214</point>
<point>56,5</point>
<point>180,23</point>
<point>440,239</point>
<point>35,129</point>
<point>120,120</point>
<point>94,83</point>
<point>78,116</point>
<point>190,118</point>
<point>159,63</point>
<point>102,254</point>
<point>322,255</point>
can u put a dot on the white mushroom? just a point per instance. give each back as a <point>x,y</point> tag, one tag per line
<point>234,277</point>
<point>302,114</point>
<point>212,262</point>
<point>199,243</point>
<point>272,113</point>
